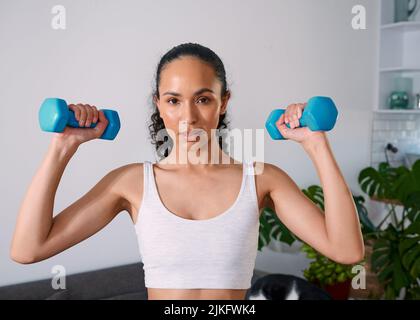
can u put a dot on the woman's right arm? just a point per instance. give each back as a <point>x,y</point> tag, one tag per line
<point>38,235</point>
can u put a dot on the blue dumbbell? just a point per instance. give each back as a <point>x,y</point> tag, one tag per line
<point>320,114</point>
<point>54,115</point>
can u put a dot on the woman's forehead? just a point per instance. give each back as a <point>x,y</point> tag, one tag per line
<point>188,74</point>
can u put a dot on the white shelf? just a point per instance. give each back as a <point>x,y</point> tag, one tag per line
<point>398,57</point>
<point>402,26</point>
<point>400,111</point>
<point>400,69</point>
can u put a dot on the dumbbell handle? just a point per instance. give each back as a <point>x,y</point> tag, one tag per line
<point>110,131</point>
<point>302,120</point>
<point>275,116</point>
<point>72,121</point>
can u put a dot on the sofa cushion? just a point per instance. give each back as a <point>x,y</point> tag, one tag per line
<point>97,284</point>
<point>124,282</point>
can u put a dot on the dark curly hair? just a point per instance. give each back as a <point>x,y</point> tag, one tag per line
<point>204,54</point>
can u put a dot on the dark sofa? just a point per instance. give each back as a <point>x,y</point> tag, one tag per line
<point>124,282</point>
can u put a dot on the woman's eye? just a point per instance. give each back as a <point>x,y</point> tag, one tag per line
<point>173,99</point>
<point>203,98</point>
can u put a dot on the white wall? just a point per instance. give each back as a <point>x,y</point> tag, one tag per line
<point>275,52</point>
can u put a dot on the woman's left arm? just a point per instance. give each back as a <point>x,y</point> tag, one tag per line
<point>341,218</point>
<point>340,227</point>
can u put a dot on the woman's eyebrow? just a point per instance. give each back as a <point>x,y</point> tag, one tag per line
<point>176,94</point>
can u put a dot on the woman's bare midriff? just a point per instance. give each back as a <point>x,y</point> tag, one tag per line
<point>196,294</point>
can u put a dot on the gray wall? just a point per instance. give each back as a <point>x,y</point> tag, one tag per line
<point>275,52</point>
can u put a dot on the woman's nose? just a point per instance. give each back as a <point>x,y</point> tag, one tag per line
<point>189,113</point>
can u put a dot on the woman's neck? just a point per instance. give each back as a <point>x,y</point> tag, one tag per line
<point>197,156</point>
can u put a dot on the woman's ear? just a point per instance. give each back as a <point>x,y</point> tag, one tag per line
<point>156,102</point>
<point>225,101</point>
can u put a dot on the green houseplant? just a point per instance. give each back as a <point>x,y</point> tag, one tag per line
<point>395,254</point>
<point>396,246</point>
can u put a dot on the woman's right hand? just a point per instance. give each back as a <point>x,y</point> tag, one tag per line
<point>86,115</point>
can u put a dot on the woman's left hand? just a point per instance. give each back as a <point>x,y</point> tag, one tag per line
<point>302,135</point>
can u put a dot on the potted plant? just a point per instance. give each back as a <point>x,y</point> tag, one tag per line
<point>396,246</point>
<point>329,275</point>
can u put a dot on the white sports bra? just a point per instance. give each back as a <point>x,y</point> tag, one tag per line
<point>182,253</point>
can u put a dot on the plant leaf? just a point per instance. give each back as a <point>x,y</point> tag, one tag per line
<point>413,228</point>
<point>367,224</point>
<point>379,182</point>
<point>408,243</point>
<point>316,195</point>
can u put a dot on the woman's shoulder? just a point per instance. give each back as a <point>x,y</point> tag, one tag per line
<point>267,169</point>
<point>128,171</point>
<point>128,181</point>
<point>269,175</point>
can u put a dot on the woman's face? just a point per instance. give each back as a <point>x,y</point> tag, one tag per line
<point>190,98</point>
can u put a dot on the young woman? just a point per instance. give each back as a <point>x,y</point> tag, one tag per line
<point>197,223</point>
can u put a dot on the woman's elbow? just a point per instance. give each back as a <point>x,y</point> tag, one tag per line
<point>22,257</point>
<point>350,258</point>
